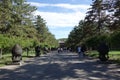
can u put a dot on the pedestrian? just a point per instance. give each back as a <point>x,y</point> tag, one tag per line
<point>79,51</point>
<point>83,49</point>
<point>58,49</point>
<point>37,51</point>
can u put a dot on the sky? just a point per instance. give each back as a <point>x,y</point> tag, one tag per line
<point>61,15</point>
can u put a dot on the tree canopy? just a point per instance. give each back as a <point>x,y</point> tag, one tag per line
<point>100,24</point>
<point>19,25</point>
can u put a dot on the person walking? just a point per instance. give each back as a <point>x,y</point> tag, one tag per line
<point>37,51</point>
<point>79,51</point>
<point>83,49</point>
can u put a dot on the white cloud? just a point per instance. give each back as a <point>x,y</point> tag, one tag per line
<point>61,19</point>
<point>56,20</point>
<point>67,6</point>
<point>73,7</point>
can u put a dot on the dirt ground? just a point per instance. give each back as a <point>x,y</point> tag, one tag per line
<point>61,66</point>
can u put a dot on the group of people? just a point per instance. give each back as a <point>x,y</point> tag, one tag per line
<point>60,49</point>
<point>63,49</point>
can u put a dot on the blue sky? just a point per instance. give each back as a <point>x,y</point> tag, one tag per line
<point>61,15</point>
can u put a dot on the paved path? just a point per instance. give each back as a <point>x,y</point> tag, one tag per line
<point>62,66</point>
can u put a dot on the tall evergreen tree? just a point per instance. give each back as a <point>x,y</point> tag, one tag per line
<point>116,24</point>
<point>15,16</point>
<point>21,14</point>
<point>41,28</point>
<point>96,14</point>
<point>5,15</point>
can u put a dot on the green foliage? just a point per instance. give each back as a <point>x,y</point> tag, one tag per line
<point>94,41</point>
<point>8,42</point>
<point>114,56</point>
<point>115,40</point>
<point>98,26</point>
<point>44,36</point>
<point>18,26</point>
<point>6,59</point>
<point>76,35</point>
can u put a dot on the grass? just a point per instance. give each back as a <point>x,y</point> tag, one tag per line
<point>6,59</point>
<point>113,55</point>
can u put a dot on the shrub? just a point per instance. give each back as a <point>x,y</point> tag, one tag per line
<point>115,40</point>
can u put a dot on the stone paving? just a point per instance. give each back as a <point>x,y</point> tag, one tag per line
<point>61,66</point>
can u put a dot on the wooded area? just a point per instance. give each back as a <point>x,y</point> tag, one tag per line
<point>18,25</point>
<point>102,23</point>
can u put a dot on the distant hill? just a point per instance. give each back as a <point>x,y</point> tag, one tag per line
<point>62,39</point>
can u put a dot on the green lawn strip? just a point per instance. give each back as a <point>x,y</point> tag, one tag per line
<point>92,54</point>
<point>113,55</point>
<point>6,59</point>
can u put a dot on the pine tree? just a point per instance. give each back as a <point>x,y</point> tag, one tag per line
<point>41,28</point>
<point>5,15</point>
<point>96,14</point>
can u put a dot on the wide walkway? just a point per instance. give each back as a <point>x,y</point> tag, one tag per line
<point>62,66</point>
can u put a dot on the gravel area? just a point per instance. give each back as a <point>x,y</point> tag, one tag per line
<point>61,66</point>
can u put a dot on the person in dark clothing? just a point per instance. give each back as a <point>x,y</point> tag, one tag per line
<point>83,49</point>
<point>37,51</point>
<point>103,50</point>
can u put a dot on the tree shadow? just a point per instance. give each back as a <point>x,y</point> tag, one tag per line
<point>64,67</point>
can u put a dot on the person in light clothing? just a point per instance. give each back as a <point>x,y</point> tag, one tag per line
<point>79,51</point>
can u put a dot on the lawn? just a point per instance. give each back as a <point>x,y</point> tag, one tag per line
<point>6,59</point>
<point>113,55</point>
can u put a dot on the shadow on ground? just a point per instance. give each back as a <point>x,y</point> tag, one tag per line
<point>62,67</point>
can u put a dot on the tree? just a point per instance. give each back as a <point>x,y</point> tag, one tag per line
<point>96,14</point>
<point>21,14</point>
<point>100,24</point>
<point>17,25</point>
<point>15,16</point>
<point>5,17</point>
<point>76,35</point>
<point>44,36</point>
<point>41,28</point>
<point>116,24</point>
